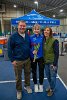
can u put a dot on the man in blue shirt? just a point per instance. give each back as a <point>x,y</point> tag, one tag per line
<point>19,54</point>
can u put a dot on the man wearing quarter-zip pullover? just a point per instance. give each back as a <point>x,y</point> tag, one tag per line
<point>19,54</point>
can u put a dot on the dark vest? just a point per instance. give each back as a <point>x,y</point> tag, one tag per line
<point>49,52</point>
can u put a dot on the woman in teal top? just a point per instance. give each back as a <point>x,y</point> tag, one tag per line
<point>51,55</point>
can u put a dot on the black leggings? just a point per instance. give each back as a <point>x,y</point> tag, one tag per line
<point>40,62</point>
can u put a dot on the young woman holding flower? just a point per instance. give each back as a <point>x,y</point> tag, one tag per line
<point>36,54</point>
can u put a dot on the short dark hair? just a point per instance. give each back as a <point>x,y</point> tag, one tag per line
<point>21,21</point>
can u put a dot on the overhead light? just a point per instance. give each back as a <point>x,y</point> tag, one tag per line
<point>54,16</point>
<point>14,6</point>
<point>61,10</point>
<point>36,2</point>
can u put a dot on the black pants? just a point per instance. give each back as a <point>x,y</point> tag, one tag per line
<point>40,62</point>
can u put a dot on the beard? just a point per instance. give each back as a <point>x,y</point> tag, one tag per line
<point>21,30</point>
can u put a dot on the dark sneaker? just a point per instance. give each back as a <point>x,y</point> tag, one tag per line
<point>50,93</point>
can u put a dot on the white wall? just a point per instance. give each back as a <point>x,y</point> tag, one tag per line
<point>12,12</point>
<point>63,26</point>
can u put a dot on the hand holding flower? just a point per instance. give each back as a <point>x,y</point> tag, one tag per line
<point>36,48</point>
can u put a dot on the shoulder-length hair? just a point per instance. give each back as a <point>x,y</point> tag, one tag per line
<point>51,34</point>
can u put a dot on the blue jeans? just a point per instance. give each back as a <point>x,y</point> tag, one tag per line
<point>51,75</point>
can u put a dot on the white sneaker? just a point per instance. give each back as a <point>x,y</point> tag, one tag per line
<point>36,88</point>
<point>40,88</point>
<point>19,95</point>
<point>28,89</point>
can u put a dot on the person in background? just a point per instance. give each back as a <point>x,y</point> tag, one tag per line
<point>51,55</point>
<point>19,54</point>
<point>28,32</point>
<point>36,55</point>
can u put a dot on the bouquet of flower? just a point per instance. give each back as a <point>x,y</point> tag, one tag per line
<point>36,47</point>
